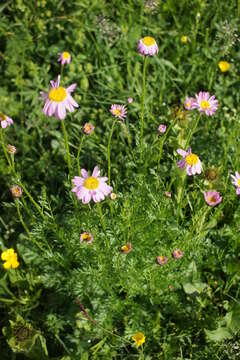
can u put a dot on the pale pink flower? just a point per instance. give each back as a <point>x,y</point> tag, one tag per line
<point>177,254</point>
<point>16,191</point>
<point>58,99</point>
<point>86,236</point>
<point>205,103</point>
<point>88,128</point>
<point>188,103</point>
<point>190,161</point>
<point>130,100</point>
<point>147,46</point>
<point>91,187</point>
<point>5,120</point>
<point>161,260</point>
<point>212,197</point>
<point>64,58</point>
<point>162,128</point>
<point>236,182</point>
<point>119,111</point>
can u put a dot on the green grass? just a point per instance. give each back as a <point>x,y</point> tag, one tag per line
<point>68,301</point>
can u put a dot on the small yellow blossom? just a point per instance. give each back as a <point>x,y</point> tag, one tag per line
<point>224,66</point>
<point>184,39</point>
<point>139,338</point>
<point>113,196</point>
<point>10,258</point>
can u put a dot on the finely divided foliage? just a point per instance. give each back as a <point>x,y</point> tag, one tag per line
<point>119,234</point>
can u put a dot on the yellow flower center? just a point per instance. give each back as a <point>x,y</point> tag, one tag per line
<point>238,182</point>
<point>192,159</point>
<point>2,117</point>
<point>205,104</point>
<point>86,237</point>
<point>148,41</point>
<point>91,183</point>
<point>117,112</point>
<point>184,39</point>
<point>57,94</point>
<point>212,198</point>
<point>65,55</point>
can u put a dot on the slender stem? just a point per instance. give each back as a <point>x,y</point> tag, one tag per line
<point>78,155</point>
<point>162,141</point>
<point>31,199</point>
<point>99,207</point>
<point>109,152</point>
<point>180,195</point>
<point>192,131</point>
<point>21,219</point>
<point>67,148</point>
<point>142,106</point>
<point>5,150</point>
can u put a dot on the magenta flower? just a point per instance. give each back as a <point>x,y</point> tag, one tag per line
<point>212,197</point>
<point>147,46</point>
<point>162,128</point>
<point>177,254</point>
<point>86,236</point>
<point>205,103</point>
<point>119,111</point>
<point>188,103</point>
<point>88,128</point>
<point>58,99</point>
<point>161,260</point>
<point>130,100</point>
<point>236,182</point>
<point>5,121</point>
<point>64,58</point>
<point>190,161</point>
<point>91,187</point>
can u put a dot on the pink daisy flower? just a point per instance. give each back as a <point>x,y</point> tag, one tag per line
<point>119,111</point>
<point>212,197</point>
<point>161,260</point>
<point>162,128</point>
<point>5,121</point>
<point>147,46</point>
<point>190,161</point>
<point>130,100</point>
<point>91,187</point>
<point>177,254</point>
<point>236,181</point>
<point>88,128</point>
<point>64,58</point>
<point>188,103</point>
<point>58,99</point>
<point>16,191</point>
<point>86,236</point>
<point>205,103</point>
<point>125,249</point>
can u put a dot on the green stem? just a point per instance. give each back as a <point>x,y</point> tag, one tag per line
<point>21,219</point>
<point>162,141</point>
<point>142,107</point>
<point>78,155</point>
<point>99,207</point>
<point>67,148</point>
<point>109,152</point>
<point>31,199</point>
<point>5,150</point>
<point>192,131</point>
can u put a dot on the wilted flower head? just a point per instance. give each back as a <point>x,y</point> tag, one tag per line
<point>10,258</point>
<point>190,161</point>
<point>188,103</point>
<point>212,197</point>
<point>64,58</point>
<point>211,174</point>
<point>205,103</point>
<point>88,128</point>
<point>130,100</point>
<point>224,66</point>
<point>147,46</point>
<point>58,99</point>
<point>5,121</point>
<point>119,111</point>
<point>236,182</point>
<point>168,194</point>
<point>125,249</point>
<point>16,191</point>
<point>162,128</point>
<point>161,260</point>
<point>184,39</point>
<point>91,187</point>
<point>113,196</point>
<point>86,236</point>
<point>177,254</point>
<point>11,149</point>
<point>139,338</point>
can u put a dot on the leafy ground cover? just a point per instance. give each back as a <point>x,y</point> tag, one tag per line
<point>152,270</point>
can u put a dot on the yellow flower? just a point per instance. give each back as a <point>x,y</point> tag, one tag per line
<point>10,258</point>
<point>224,66</point>
<point>184,39</point>
<point>139,338</point>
